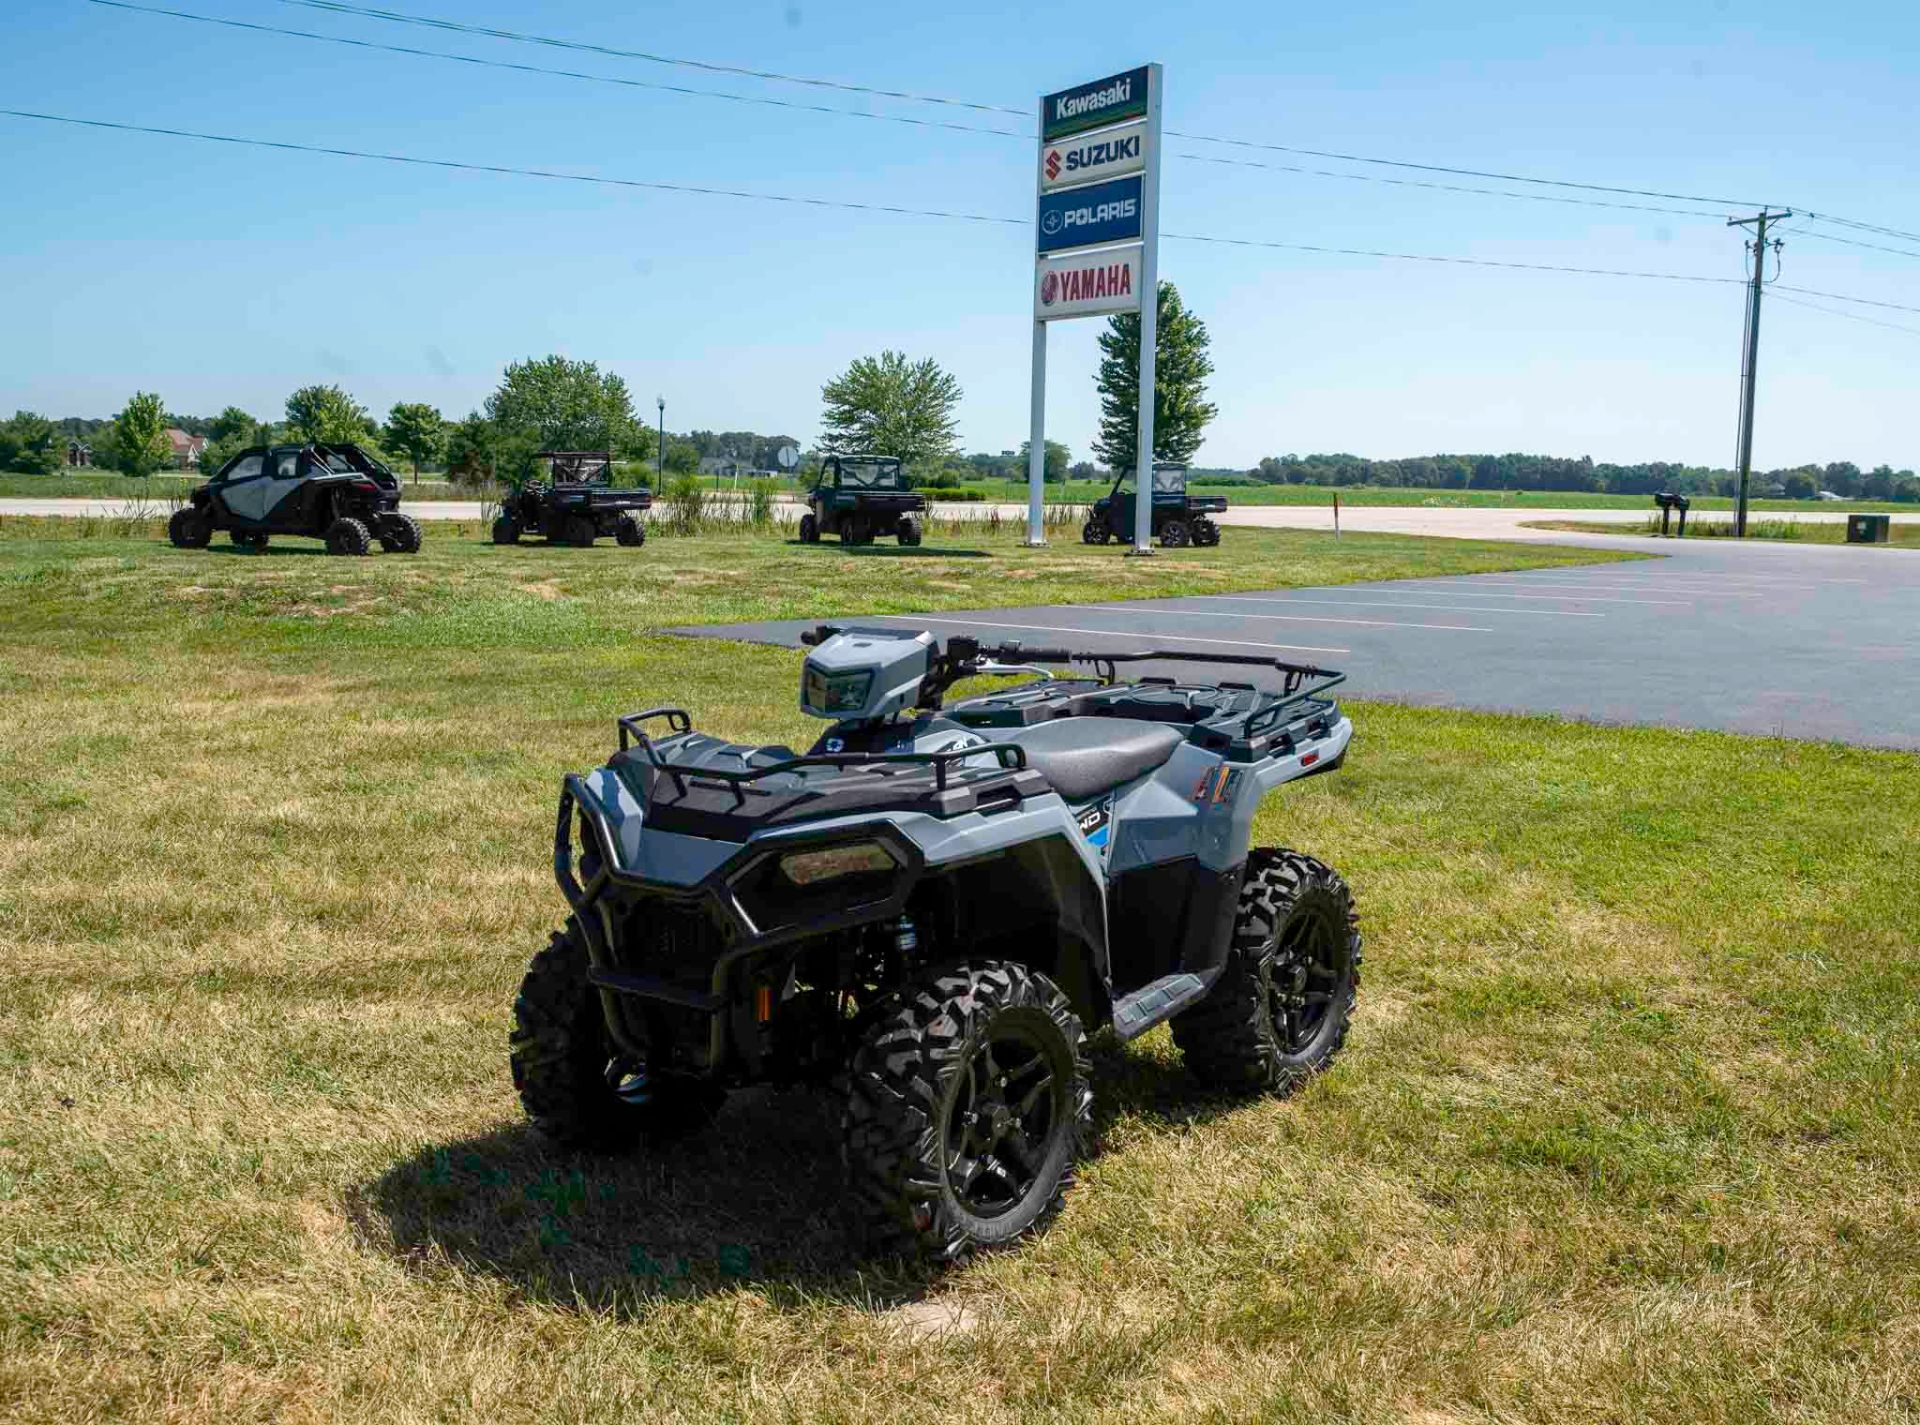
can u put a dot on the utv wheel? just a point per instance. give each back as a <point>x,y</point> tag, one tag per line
<point>570,1081</point>
<point>400,534</point>
<point>1174,534</point>
<point>1092,533</point>
<point>909,532</point>
<point>189,529</point>
<point>809,529</point>
<point>580,532</point>
<point>968,1101</point>
<point>1206,533</point>
<point>506,530</point>
<point>631,532</point>
<point>347,536</point>
<point>255,540</point>
<point>1279,1012</point>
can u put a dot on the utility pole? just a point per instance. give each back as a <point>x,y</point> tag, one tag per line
<point>660,446</point>
<point>1750,354</point>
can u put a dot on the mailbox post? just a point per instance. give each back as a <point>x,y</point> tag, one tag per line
<point>1668,503</point>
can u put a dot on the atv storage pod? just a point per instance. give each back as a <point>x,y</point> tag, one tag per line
<point>932,907</point>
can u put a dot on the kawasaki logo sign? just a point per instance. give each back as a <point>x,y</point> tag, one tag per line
<point>1103,155</point>
<point>1081,217</point>
<point>1092,106</point>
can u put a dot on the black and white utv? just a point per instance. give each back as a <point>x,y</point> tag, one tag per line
<point>338,493</point>
<point>932,908</point>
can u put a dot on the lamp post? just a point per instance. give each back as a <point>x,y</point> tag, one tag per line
<point>660,454</point>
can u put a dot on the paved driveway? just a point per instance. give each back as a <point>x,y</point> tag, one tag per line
<point>1800,641</point>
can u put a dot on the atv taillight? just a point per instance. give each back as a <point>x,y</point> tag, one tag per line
<point>366,485</point>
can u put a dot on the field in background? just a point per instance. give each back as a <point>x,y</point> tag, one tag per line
<point>1626,1131</point>
<point>1798,531</point>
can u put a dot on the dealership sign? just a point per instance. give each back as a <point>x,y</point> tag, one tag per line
<point>1087,284</point>
<point>1081,217</point>
<point>1095,105</point>
<point>1107,154</point>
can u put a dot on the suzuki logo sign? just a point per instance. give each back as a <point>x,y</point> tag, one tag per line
<point>1107,154</point>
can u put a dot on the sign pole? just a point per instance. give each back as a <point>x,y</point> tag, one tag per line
<point>1149,319</point>
<point>1037,418</point>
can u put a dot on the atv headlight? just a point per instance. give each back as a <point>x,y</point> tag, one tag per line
<point>830,863</point>
<point>830,694</point>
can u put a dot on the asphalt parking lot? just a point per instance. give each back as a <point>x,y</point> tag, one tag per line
<point>1794,641</point>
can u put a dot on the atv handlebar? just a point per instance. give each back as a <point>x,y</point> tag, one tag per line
<point>963,655</point>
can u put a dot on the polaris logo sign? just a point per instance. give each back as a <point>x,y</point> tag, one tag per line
<point>1098,156</point>
<point>1095,105</point>
<point>1082,217</point>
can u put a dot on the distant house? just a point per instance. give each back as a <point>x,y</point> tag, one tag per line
<point>186,448</point>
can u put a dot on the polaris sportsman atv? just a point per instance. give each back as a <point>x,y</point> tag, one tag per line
<point>860,496</point>
<point>1179,518</point>
<point>577,503</point>
<point>932,908</point>
<point>338,493</point>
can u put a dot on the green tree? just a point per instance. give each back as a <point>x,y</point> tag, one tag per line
<point>470,450</point>
<point>1181,367</point>
<point>888,405</point>
<point>140,444</point>
<point>683,457</point>
<point>327,414</point>
<point>29,444</point>
<point>232,424</point>
<point>416,431</point>
<point>1056,462</point>
<point>557,404</point>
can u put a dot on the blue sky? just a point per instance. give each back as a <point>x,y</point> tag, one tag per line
<point>221,275</point>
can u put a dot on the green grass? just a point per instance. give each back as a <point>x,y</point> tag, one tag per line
<point>1626,1130</point>
<point>1799,531</point>
<point>95,484</point>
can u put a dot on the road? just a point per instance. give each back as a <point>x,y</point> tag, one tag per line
<point>1805,641</point>
<point>1457,523</point>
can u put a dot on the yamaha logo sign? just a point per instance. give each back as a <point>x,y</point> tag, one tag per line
<point>1107,154</point>
<point>1085,284</point>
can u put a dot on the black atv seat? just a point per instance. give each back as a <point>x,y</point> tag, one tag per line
<point>1084,756</point>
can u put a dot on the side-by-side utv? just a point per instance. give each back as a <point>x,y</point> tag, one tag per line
<point>335,492</point>
<point>932,907</point>
<point>1179,517</point>
<point>859,497</point>
<point>576,503</point>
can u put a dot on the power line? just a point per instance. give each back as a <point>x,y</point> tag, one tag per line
<point>518,172</point>
<point>341,7</point>
<point>1854,242</point>
<point>1451,261</point>
<point>461,27</point>
<point>1026,136</point>
<point>475,60</point>
<point>1842,297</point>
<point>1850,316</point>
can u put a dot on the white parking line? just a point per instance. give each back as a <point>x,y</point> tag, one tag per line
<point>1583,598</point>
<point>1400,604</point>
<point>1111,632</point>
<point>1294,618</point>
<point>1704,580</point>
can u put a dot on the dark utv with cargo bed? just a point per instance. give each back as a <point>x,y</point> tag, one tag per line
<point>575,504</point>
<point>1179,518</point>
<point>860,496</point>
<point>335,492</point>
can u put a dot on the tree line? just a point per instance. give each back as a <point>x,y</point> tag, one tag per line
<point>1584,475</point>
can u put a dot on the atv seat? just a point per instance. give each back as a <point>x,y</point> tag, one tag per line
<point>1085,756</point>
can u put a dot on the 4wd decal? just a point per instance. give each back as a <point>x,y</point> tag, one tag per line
<point>1096,824</point>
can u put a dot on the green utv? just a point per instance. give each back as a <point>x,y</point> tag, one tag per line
<point>932,908</point>
<point>859,497</point>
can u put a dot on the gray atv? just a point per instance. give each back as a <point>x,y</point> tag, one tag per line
<point>932,908</point>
